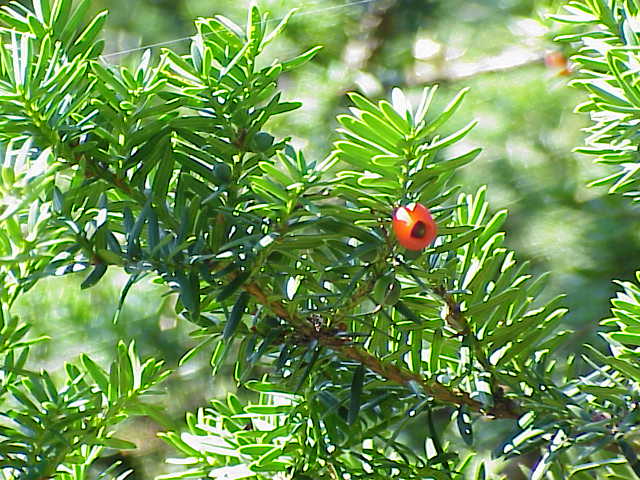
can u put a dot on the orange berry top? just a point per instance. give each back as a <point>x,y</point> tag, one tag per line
<point>414,227</point>
<point>558,62</point>
<point>555,60</point>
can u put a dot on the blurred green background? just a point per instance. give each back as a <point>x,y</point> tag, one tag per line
<point>527,130</point>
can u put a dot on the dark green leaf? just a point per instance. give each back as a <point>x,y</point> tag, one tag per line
<point>94,277</point>
<point>463,421</point>
<point>236,314</point>
<point>355,400</point>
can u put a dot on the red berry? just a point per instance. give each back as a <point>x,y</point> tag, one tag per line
<point>555,60</point>
<point>414,227</point>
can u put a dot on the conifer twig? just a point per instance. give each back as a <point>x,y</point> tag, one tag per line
<point>503,408</point>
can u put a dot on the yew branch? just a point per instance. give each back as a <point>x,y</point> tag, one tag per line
<point>503,408</point>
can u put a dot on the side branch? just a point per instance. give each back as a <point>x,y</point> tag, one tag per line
<point>503,408</point>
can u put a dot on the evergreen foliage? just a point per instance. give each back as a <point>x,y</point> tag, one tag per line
<point>288,268</point>
<point>607,58</point>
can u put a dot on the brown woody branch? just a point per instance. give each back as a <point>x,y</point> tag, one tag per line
<point>503,408</point>
<point>455,71</point>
